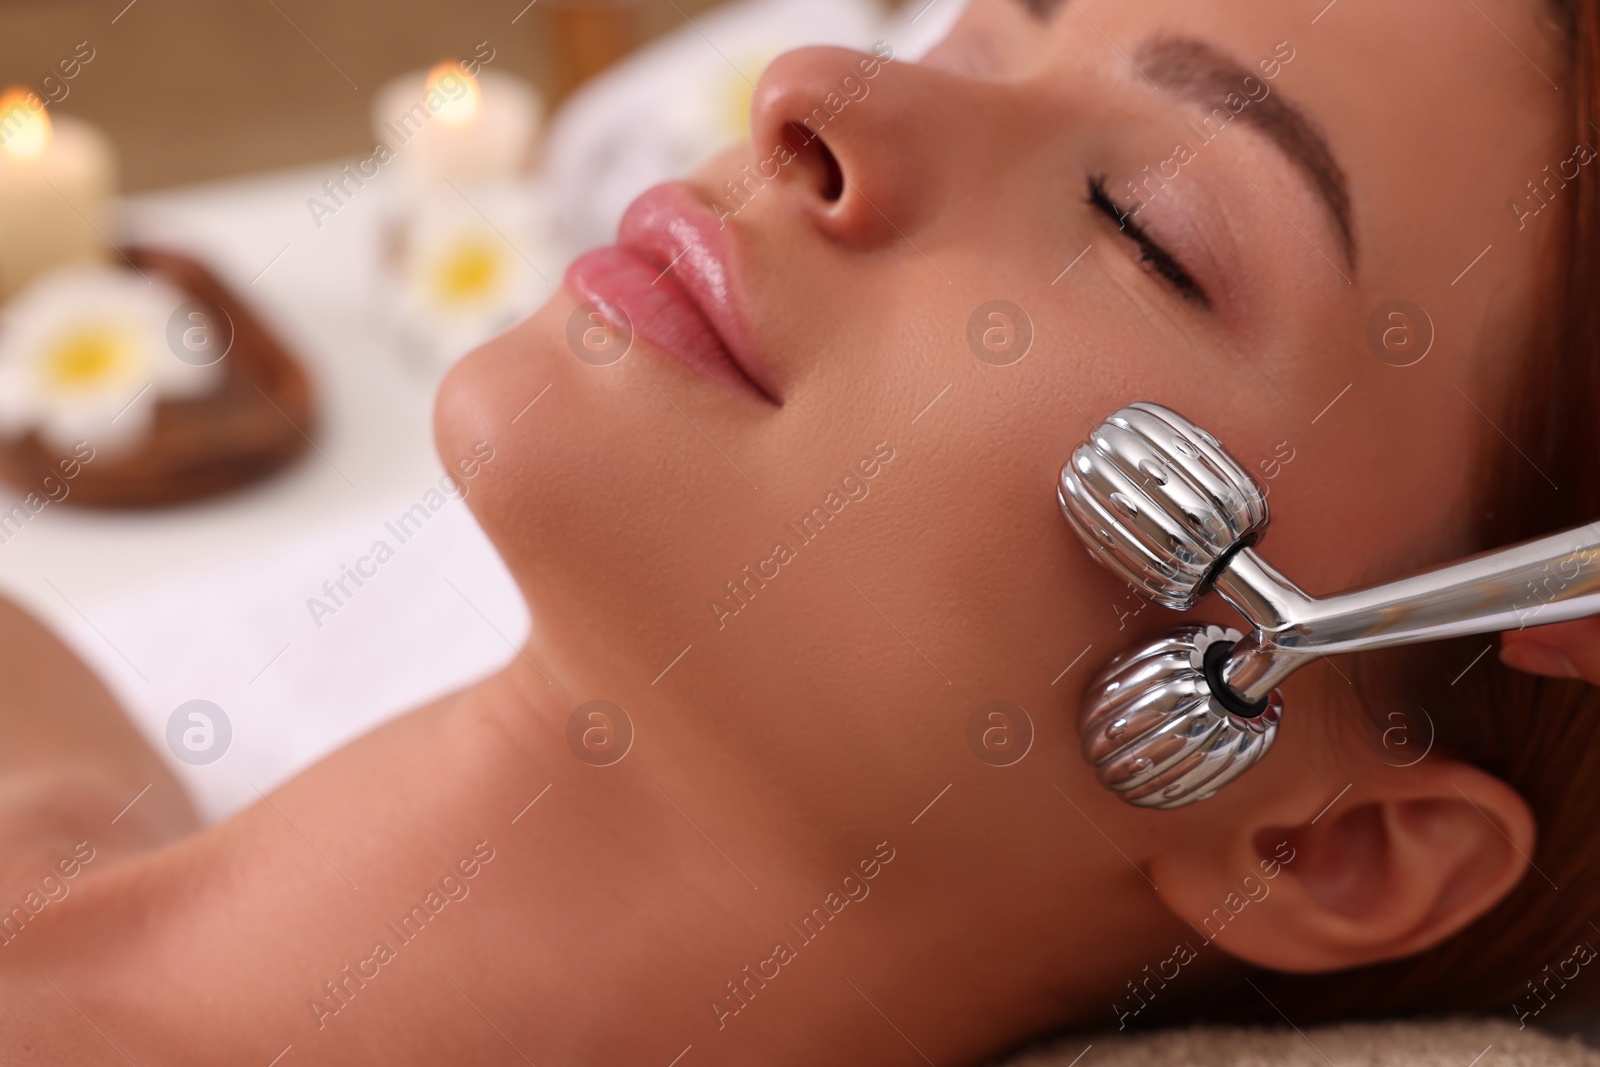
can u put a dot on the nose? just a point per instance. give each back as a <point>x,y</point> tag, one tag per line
<point>848,135</point>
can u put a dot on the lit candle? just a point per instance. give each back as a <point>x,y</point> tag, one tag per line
<point>451,125</point>
<point>57,177</point>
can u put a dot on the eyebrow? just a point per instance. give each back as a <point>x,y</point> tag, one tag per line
<point>1194,70</point>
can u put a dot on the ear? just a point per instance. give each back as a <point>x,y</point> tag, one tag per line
<point>1399,862</point>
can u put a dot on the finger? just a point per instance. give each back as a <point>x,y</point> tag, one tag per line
<point>1565,650</point>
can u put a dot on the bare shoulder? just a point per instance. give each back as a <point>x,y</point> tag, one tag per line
<point>53,825</point>
<point>259,923</point>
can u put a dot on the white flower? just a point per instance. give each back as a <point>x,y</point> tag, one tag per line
<point>463,279</point>
<point>84,357</point>
<point>460,267</point>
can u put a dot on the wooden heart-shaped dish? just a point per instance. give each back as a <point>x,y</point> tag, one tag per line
<point>254,423</point>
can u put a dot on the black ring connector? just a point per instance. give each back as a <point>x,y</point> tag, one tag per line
<point>1215,656</point>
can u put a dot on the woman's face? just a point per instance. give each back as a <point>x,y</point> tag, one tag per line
<point>841,545</point>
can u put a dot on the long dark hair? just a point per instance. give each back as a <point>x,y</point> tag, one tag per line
<point>1540,735</point>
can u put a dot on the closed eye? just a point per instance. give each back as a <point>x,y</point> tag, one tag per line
<point>1152,256</point>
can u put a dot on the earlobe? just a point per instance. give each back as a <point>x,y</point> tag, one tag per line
<point>1404,860</point>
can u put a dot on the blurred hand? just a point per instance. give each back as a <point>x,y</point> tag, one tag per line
<point>1565,650</point>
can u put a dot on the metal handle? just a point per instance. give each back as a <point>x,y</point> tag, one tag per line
<point>1550,579</point>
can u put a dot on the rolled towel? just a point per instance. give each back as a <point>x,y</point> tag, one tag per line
<point>1441,1043</point>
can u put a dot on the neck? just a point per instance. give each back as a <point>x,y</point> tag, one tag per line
<point>719,886</point>
<point>727,902</point>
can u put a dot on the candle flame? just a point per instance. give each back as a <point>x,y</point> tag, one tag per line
<point>24,125</point>
<point>457,89</point>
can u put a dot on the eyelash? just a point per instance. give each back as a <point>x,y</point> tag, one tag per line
<point>1152,256</point>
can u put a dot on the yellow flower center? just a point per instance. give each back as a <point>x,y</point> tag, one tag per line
<point>470,271</point>
<point>86,357</point>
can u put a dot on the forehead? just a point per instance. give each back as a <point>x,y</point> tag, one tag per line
<point>1439,112</point>
<point>1395,57</point>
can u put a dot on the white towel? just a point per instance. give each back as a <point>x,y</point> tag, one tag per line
<point>294,681</point>
<point>1446,1043</point>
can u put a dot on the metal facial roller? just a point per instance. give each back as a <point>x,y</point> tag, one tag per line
<point>1159,502</point>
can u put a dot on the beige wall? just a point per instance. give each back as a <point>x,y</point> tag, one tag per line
<point>198,89</point>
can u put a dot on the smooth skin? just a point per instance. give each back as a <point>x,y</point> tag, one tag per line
<point>1565,650</point>
<point>825,726</point>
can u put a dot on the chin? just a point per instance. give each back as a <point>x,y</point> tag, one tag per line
<point>484,402</point>
<point>598,498</point>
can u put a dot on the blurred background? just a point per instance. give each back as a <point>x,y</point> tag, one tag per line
<point>190,90</point>
<point>239,245</point>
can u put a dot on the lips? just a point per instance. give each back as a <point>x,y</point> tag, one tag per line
<point>669,275</point>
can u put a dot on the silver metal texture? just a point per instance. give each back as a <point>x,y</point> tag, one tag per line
<point>1160,503</point>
